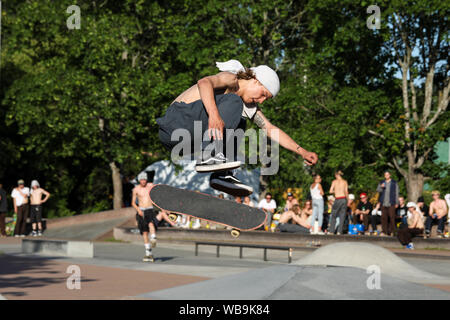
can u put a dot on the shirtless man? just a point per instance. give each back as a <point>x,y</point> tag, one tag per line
<point>146,217</point>
<point>300,225</point>
<point>225,101</point>
<point>36,202</point>
<point>290,202</point>
<point>437,214</point>
<point>339,188</point>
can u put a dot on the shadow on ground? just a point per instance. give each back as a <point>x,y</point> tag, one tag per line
<point>29,272</point>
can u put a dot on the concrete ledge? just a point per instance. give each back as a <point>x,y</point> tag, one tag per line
<point>125,213</point>
<point>65,248</point>
<point>276,238</point>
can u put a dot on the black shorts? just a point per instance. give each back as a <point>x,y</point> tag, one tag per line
<point>149,216</point>
<point>36,213</point>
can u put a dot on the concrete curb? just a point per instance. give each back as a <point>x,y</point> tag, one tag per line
<point>276,238</point>
<point>65,248</point>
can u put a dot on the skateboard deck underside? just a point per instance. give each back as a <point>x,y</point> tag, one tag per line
<point>207,207</point>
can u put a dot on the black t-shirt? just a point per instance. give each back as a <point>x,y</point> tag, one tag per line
<point>401,211</point>
<point>3,201</point>
<point>425,210</point>
<point>365,206</point>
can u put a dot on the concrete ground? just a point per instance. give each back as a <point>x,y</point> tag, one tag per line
<point>116,272</point>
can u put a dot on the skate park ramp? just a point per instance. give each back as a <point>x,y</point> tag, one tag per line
<point>87,227</point>
<point>337,271</point>
<point>364,255</point>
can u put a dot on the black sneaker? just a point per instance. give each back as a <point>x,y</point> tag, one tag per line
<point>225,181</point>
<point>216,163</point>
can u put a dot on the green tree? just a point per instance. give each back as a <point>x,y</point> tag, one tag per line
<point>406,133</point>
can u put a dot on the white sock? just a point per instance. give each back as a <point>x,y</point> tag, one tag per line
<point>148,249</point>
<point>153,236</point>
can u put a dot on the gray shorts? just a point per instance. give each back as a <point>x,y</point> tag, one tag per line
<point>182,116</point>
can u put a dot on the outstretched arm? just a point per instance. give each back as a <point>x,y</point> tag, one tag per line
<point>283,138</point>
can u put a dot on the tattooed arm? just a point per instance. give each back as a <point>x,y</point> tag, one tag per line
<point>283,138</point>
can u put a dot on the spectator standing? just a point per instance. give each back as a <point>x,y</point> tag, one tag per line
<point>437,215</point>
<point>388,190</point>
<point>36,202</point>
<point>317,203</point>
<point>402,212</point>
<point>415,226</point>
<point>327,213</point>
<point>339,188</point>
<point>3,211</point>
<point>290,202</point>
<point>20,199</point>
<point>447,199</point>
<point>363,212</point>
<point>268,205</point>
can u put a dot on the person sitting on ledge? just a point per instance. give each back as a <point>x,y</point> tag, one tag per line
<point>299,226</point>
<point>415,226</point>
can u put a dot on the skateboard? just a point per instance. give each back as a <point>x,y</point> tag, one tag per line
<point>148,259</point>
<point>239,217</point>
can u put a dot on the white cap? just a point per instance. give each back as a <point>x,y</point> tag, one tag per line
<point>268,78</point>
<point>34,183</point>
<point>411,205</point>
<point>351,196</point>
<point>264,74</point>
<point>142,176</point>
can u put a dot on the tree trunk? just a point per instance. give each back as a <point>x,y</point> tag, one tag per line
<point>414,185</point>
<point>117,186</point>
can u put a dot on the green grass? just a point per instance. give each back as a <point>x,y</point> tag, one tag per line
<point>114,240</point>
<point>437,249</point>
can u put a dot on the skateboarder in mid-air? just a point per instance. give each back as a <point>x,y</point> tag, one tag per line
<point>225,101</point>
<point>146,217</point>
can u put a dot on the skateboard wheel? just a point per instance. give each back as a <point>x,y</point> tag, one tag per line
<point>235,233</point>
<point>173,217</point>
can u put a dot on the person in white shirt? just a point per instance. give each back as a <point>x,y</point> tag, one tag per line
<point>268,205</point>
<point>20,199</point>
